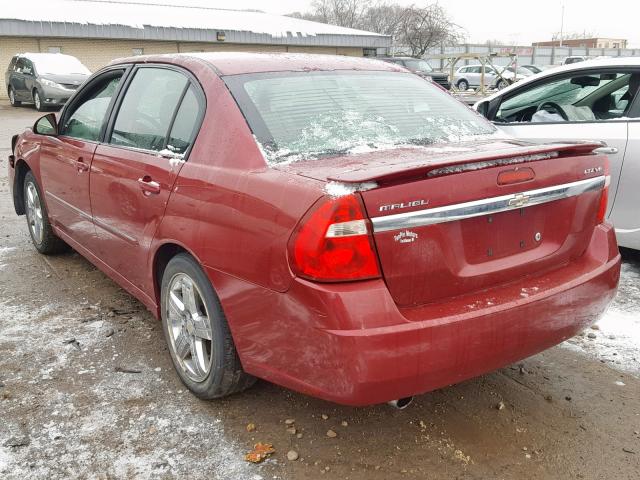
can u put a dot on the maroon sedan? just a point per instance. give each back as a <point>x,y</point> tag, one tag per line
<point>334,225</point>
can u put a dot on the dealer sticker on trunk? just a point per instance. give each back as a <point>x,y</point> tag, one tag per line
<point>406,236</point>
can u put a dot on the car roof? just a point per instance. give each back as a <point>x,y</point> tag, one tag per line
<point>573,67</point>
<point>237,63</point>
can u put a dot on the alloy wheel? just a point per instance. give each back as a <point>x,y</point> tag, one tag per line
<point>34,213</point>
<point>189,327</point>
<point>36,100</point>
<point>12,97</point>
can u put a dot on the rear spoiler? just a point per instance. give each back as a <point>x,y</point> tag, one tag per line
<point>449,164</point>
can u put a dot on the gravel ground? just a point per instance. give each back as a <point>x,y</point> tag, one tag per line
<point>87,390</point>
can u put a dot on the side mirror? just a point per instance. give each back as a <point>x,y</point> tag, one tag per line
<point>47,125</point>
<point>483,108</point>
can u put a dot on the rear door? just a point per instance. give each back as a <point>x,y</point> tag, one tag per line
<point>473,76</point>
<point>595,112</point>
<point>65,160</point>
<point>133,172</point>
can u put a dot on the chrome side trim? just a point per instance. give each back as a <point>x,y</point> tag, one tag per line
<point>486,206</point>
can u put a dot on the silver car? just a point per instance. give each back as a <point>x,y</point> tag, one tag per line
<point>590,100</point>
<point>471,76</point>
<point>44,79</point>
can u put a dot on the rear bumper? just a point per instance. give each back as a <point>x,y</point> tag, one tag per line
<point>350,344</point>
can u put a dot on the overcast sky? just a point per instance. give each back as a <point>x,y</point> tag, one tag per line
<point>518,21</point>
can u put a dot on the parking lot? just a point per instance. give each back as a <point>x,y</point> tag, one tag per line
<point>87,389</point>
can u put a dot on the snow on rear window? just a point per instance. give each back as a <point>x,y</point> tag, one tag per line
<point>58,64</point>
<point>304,116</point>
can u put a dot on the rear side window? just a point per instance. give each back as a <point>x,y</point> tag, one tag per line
<point>307,115</point>
<point>148,108</point>
<point>86,117</point>
<point>186,123</point>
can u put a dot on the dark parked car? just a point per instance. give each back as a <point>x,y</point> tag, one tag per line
<point>420,67</point>
<point>335,225</point>
<point>44,79</point>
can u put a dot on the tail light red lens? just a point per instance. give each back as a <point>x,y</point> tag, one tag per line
<point>602,208</point>
<point>333,243</point>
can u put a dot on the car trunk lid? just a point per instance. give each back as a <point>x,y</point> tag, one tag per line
<point>445,226</point>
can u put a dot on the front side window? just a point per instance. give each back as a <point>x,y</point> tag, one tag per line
<point>583,97</point>
<point>301,116</point>
<point>24,66</point>
<point>147,109</point>
<point>87,116</point>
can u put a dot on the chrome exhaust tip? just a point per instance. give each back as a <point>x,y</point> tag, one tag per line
<point>401,403</point>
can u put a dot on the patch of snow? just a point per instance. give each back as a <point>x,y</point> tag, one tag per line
<point>57,64</point>
<point>467,167</point>
<point>617,341</point>
<point>138,15</point>
<point>337,189</point>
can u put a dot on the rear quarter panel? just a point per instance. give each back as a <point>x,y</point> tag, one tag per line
<point>227,208</point>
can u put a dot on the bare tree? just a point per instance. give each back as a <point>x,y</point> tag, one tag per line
<point>427,27</point>
<point>417,28</point>
<point>384,18</point>
<point>574,35</point>
<point>345,13</point>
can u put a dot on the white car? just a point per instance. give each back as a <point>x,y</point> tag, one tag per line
<point>590,100</point>
<point>471,76</point>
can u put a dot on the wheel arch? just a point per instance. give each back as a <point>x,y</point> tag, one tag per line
<point>21,169</point>
<point>163,253</point>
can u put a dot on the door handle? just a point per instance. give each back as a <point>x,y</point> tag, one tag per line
<point>606,150</point>
<point>148,186</point>
<point>81,166</point>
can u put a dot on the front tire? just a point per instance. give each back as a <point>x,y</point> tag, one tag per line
<point>12,98</point>
<point>37,101</point>
<point>463,85</point>
<point>197,332</point>
<point>42,235</point>
<point>502,84</point>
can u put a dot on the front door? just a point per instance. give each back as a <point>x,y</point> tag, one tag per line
<point>133,173</point>
<point>65,160</point>
<point>591,104</point>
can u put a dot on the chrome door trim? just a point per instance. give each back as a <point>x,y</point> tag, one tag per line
<point>486,206</point>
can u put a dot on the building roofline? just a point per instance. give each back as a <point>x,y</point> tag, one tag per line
<point>23,28</point>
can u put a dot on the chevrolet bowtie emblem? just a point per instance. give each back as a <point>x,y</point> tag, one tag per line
<point>519,200</point>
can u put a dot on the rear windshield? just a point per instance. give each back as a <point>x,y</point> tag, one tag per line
<point>309,115</point>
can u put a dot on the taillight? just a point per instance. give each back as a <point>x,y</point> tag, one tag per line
<point>333,242</point>
<point>604,198</point>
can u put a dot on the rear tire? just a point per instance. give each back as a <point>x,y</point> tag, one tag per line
<point>191,312</point>
<point>12,98</point>
<point>42,235</point>
<point>37,101</point>
<point>462,85</point>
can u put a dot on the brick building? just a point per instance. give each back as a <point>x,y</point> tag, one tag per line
<point>97,31</point>
<point>586,43</point>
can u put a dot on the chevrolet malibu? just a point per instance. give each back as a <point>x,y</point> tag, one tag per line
<point>334,225</point>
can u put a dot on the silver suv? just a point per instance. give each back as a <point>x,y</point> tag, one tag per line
<point>44,79</point>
